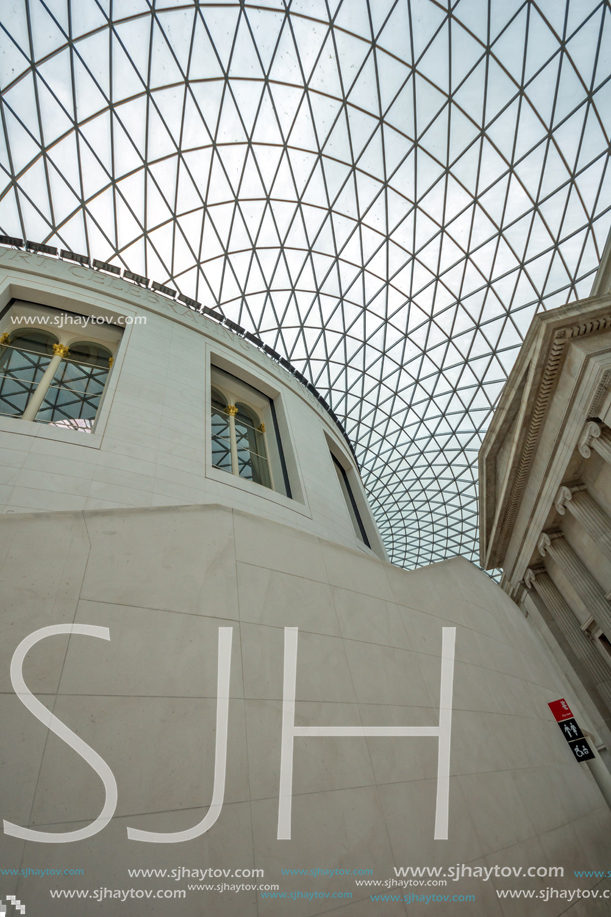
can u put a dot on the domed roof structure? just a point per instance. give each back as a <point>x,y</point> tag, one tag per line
<point>384,191</point>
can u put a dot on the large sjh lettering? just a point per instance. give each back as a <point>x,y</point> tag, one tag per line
<point>442,731</point>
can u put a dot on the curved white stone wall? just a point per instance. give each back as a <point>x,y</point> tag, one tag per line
<point>163,580</point>
<point>151,443</point>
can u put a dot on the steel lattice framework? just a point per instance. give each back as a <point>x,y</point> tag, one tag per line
<point>385,191</point>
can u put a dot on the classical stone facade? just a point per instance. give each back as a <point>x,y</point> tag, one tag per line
<point>545,476</point>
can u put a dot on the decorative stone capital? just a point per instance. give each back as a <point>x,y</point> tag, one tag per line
<point>590,431</point>
<point>529,579</point>
<point>111,360</point>
<point>231,410</point>
<point>562,498</point>
<point>262,428</point>
<point>60,350</point>
<point>543,544</point>
<point>4,337</point>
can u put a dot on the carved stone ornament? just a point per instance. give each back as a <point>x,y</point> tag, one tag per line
<point>561,338</point>
<point>529,579</point>
<point>543,545</point>
<point>562,498</point>
<point>590,431</point>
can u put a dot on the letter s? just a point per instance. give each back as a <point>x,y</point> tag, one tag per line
<point>81,748</point>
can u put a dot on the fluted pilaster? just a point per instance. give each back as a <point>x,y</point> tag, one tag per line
<point>594,520</point>
<point>580,579</point>
<point>595,665</point>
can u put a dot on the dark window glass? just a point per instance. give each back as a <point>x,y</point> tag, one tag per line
<point>353,509</point>
<point>221,443</point>
<point>22,365</point>
<point>252,455</point>
<point>74,395</point>
<point>245,436</point>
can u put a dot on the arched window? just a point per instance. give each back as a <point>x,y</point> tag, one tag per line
<point>45,381</point>
<point>73,397</point>
<point>241,444</point>
<point>24,357</point>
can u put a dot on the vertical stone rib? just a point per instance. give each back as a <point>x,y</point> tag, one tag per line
<point>602,445</point>
<point>582,646</point>
<point>580,578</point>
<point>588,513</point>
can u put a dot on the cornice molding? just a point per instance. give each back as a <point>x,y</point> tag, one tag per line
<point>549,377</point>
<point>599,396</point>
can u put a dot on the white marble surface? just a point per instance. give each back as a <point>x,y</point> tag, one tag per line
<point>163,580</point>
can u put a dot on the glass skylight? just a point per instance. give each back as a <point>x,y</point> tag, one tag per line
<point>385,191</point>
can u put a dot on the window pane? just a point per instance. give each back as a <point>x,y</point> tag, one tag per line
<point>74,396</point>
<point>89,353</point>
<point>20,373</point>
<point>243,441</point>
<point>260,470</point>
<point>34,341</point>
<point>252,458</point>
<point>14,396</point>
<point>61,407</point>
<point>79,377</point>
<point>221,446</point>
<point>258,453</point>
<point>351,506</point>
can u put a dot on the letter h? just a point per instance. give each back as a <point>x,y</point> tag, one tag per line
<point>442,732</point>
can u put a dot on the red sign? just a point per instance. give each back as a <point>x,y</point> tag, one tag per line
<point>560,709</point>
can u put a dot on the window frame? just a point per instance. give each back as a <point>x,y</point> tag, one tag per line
<point>37,299</point>
<point>6,371</point>
<point>63,383</point>
<point>340,460</point>
<point>239,359</point>
<point>351,502</point>
<point>216,385</point>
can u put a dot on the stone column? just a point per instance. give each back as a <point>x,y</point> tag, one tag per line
<point>598,670</point>
<point>593,437</point>
<point>580,579</point>
<point>233,442</point>
<point>59,352</point>
<point>588,513</point>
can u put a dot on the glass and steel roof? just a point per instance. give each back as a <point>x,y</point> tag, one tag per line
<point>385,191</point>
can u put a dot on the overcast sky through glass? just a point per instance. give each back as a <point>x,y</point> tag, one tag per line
<point>385,191</point>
